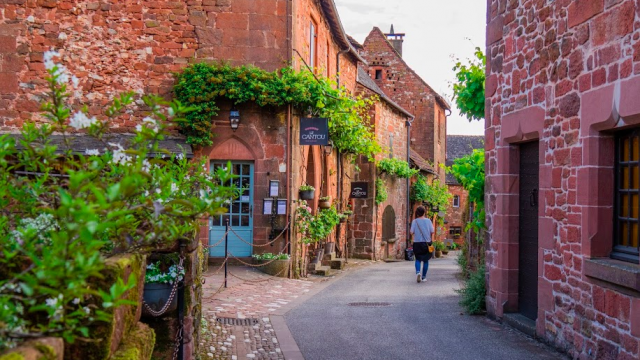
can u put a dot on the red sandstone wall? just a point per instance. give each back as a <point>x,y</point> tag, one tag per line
<point>456,216</point>
<point>114,46</point>
<point>407,89</point>
<point>553,72</point>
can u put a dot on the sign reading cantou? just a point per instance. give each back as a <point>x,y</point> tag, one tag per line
<point>359,190</point>
<point>314,131</point>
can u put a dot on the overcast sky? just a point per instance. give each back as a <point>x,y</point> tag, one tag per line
<point>436,31</point>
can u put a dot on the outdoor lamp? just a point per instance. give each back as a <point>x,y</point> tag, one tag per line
<point>267,207</point>
<point>234,118</point>
<point>274,188</point>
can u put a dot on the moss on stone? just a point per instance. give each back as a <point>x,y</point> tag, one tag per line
<point>48,353</point>
<point>12,356</point>
<point>138,345</point>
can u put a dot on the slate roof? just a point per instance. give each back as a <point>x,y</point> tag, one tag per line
<point>365,80</point>
<point>80,143</point>
<point>459,146</point>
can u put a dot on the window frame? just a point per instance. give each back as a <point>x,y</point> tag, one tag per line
<point>455,231</point>
<point>456,201</point>
<point>619,251</point>
<point>378,72</point>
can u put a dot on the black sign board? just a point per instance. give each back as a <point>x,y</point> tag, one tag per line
<point>359,190</point>
<point>314,131</point>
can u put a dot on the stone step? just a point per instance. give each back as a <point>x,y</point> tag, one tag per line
<point>521,323</point>
<point>329,256</point>
<point>324,271</point>
<point>338,264</point>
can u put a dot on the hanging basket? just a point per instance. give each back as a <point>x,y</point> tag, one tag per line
<point>324,204</point>
<point>157,295</point>
<point>307,194</point>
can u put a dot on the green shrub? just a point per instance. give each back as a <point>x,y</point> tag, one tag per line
<point>463,261</point>
<point>473,292</point>
<point>397,167</point>
<point>381,192</point>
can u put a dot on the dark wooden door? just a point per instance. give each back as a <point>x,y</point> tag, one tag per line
<point>528,232</point>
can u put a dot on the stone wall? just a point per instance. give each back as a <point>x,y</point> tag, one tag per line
<point>400,83</point>
<point>456,216</point>
<point>564,73</point>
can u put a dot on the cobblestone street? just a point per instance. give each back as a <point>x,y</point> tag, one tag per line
<point>251,297</point>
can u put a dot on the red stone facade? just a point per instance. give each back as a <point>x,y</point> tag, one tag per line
<point>456,216</point>
<point>405,87</point>
<point>564,74</point>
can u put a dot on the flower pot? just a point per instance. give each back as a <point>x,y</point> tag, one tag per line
<point>438,253</point>
<point>324,204</point>
<point>157,295</point>
<point>307,194</point>
<point>445,252</point>
<point>279,268</point>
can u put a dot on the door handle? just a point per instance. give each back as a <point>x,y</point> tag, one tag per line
<point>251,211</point>
<point>533,197</point>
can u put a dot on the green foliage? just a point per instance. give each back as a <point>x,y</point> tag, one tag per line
<point>200,85</point>
<point>156,274</point>
<point>469,172</point>
<point>59,222</point>
<point>436,194</point>
<point>381,191</point>
<point>396,167</point>
<point>315,228</point>
<point>468,89</point>
<point>270,256</point>
<point>439,245</point>
<point>306,188</point>
<point>473,292</point>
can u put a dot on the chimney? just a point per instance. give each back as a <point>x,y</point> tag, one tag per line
<point>396,40</point>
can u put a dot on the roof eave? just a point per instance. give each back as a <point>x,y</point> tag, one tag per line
<point>331,12</point>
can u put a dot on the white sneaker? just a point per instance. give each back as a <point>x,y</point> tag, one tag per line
<point>419,278</point>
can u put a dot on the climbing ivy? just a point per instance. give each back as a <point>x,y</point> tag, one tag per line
<point>200,86</point>
<point>397,167</point>
<point>468,89</point>
<point>436,194</point>
<point>381,192</point>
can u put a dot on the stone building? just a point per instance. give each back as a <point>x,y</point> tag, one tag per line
<point>562,168</point>
<point>457,213</point>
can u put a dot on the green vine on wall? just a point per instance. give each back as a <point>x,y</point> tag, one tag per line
<point>381,192</point>
<point>199,86</point>
<point>397,167</point>
<point>436,194</point>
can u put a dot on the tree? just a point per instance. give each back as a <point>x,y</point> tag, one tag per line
<point>468,89</point>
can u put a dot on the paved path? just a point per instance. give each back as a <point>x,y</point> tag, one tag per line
<point>424,321</point>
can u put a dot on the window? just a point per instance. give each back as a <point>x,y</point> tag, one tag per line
<point>455,231</point>
<point>378,74</point>
<point>627,203</point>
<point>313,45</point>
<point>456,201</point>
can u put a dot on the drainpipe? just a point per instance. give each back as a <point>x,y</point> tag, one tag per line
<point>408,125</point>
<point>289,162</point>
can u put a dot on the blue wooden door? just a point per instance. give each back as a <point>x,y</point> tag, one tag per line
<point>239,214</point>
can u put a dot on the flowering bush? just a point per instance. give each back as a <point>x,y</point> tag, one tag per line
<point>155,275</point>
<point>315,228</point>
<point>63,210</point>
<point>270,256</point>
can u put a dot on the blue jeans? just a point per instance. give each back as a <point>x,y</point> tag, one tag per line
<point>424,268</point>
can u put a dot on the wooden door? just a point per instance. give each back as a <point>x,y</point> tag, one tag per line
<point>528,231</point>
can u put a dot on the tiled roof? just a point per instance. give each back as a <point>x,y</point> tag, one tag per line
<point>420,162</point>
<point>459,146</point>
<point>365,80</point>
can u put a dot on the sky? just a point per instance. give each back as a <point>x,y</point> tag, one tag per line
<point>437,32</point>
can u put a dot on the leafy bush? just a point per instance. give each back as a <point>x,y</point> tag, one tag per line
<point>315,228</point>
<point>469,172</point>
<point>439,245</point>
<point>473,293</point>
<point>397,167</point>
<point>270,256</point>
<point>200,85</point>
<point>463,261</point>
<point>468,90</point>
<point>381,192</point>
<point>436,194</point>
<point>62,212</point>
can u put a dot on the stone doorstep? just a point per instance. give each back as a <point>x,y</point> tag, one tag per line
<point>324,271</point>
<point>338,264</point>
<point>520,323</point>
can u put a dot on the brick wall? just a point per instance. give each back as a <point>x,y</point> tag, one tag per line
<point>456,216</point>
<point>564,73</point>
<point>407,89</point>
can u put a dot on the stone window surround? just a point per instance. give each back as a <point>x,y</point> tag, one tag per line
<point>456,201</point>
<point>603,110</point>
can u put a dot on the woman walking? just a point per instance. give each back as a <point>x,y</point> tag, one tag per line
<point>422,231</point>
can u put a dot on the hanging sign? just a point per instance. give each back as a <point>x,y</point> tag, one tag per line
<point>314,131</point>
<point>359,190</point>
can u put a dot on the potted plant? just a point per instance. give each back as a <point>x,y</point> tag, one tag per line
<point>307,192</point>
<point>324,202</point>
<point>438,245</point>
<point>272,264</point>
<point>159,280</point>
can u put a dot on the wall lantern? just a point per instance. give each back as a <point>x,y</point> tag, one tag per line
<point>274,188</point>
<point>234,118</point>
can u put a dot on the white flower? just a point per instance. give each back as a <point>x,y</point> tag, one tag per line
<point>158,191</point>
<point>52,302</point>
<point>146,193</point>
<point>90,152</point>
<point>138,128</point>
<point>153,125</point>
<point>146,165</point>
<point>174,187</point>
<point>80,120</point>
<point>119,155</point>
<point>180,156</point>
<point>86,310</point>
<point>76,301</point>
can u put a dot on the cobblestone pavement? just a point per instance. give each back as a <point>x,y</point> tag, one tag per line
<point>251,296</point>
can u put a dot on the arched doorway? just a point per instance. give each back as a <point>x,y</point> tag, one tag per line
<point>389,224</point>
